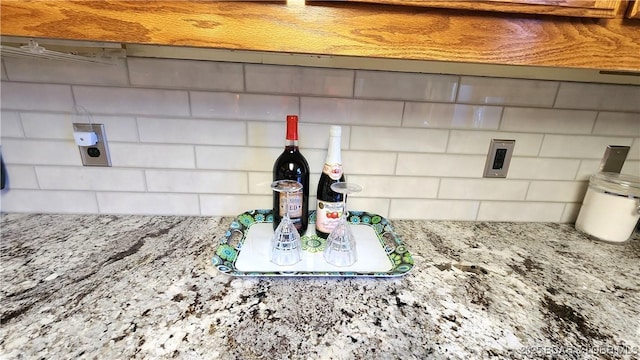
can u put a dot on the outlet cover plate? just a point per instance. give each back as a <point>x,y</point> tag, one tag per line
<point>98,154</point>
<point>613,159</point>
<point>498,158</point>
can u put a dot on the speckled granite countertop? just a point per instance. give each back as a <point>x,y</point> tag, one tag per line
<point>106,287</point>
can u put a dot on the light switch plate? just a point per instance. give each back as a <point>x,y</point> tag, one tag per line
<point>98,154</point>
<point>613,159</point>
<point>498,158</point>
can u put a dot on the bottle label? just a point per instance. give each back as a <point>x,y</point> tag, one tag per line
<point>334,171</point>
<point>328,215</point>
<point>295,204</point>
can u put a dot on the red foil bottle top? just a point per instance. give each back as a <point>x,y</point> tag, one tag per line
<point>292,127</point>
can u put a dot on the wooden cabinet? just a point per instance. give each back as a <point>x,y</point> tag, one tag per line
<point>634,10</point>
<point>337,29</point>
<point>576,8</point>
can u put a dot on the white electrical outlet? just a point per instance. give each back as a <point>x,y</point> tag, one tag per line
<point>92,142</point>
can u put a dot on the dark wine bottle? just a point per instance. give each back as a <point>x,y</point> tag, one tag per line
<point>329,202</point>
<point>291,165</point>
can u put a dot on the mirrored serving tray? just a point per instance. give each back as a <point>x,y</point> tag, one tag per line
<point>244,248</point>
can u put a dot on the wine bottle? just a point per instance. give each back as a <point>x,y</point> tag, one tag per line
<point>291,165</point>
<point>329,202</point>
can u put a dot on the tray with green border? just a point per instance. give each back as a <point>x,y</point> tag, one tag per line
<point>244,248</point>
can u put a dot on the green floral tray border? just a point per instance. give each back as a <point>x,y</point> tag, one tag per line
<point>230,245</point>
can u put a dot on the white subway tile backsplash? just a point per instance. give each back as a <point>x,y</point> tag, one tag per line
<point>520,211</point>
<point>566,146</point>
<point>451,116</point>
<point>543,168</point>
<point>40,152</point>
<point>192,131</point>
<point>21,177</point>
<point>477,142</point>
<point>634,152</point>
<point>118,128</point>
<point>588,168</point>
<point>616,123</point>
<point>405,86</point>
<point>47,125</point>
<point>233,205</point>
<point>396,186</point>
<point>38,201</point>
<point>185,74</point>
<point>152,155</point>
<point>250,158</point>
<point>398,139</point>
<point>299,80</point>
<point>570,213</point>
<point>10,125</point>
<point>131,101</point>
<point>497,91</point>
<point>60,126</point>
<point>311,136</point>
<point>631,167</point>
<point>45,70</point>
<point>375,206</point>
<point>483,189</point>
<point>236,158</point>
<point>228,106</point>
<point>38,97</point>
<point>351,111</point>
<point>90,178</point>
<point>551,121</point>
<point>433,209</point>
<point>3,73</point>
<point>444,165</point>
<point>200,138</point>
<point>260,183</point>
<point>203,182</point>
<point>148,203</point>
<point>598,97</point>
<point>366,163</point>
<point>563,191</point>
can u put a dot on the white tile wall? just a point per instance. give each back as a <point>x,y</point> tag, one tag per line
<point>340,111</point>
<point>11,125</point>
<point>44,97</point>
<point>497,91</point>
<point>405,86</point>
<point>451,116</point>
<point>477,142</point>
<point>132,101</point>
<point>617,123</point>
<point>47,71</point>
<point>598,97</point>
<point>384,138</point>
<point>188,74</point>
<point>192,131</point>
<point>299,80</point>
<point>200,138</point>
<point>579,146</point>
<point>550,121</point>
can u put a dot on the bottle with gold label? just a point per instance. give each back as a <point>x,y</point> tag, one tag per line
<point>329,202</point>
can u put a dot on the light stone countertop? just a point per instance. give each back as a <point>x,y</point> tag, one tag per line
<point>116,287</point>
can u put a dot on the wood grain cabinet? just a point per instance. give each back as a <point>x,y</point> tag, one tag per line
<point>634,10</point>
<point>575,8</point>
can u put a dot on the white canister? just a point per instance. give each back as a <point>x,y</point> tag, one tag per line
<point>611,207</point>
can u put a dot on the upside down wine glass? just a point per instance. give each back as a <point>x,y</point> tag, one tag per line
<point>286,247</point>
<point>341,245</point>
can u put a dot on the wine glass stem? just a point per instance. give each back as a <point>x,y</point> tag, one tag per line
<point>344,207</point>
<point>286,206</point>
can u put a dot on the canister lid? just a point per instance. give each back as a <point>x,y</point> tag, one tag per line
<point>619,184</point>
